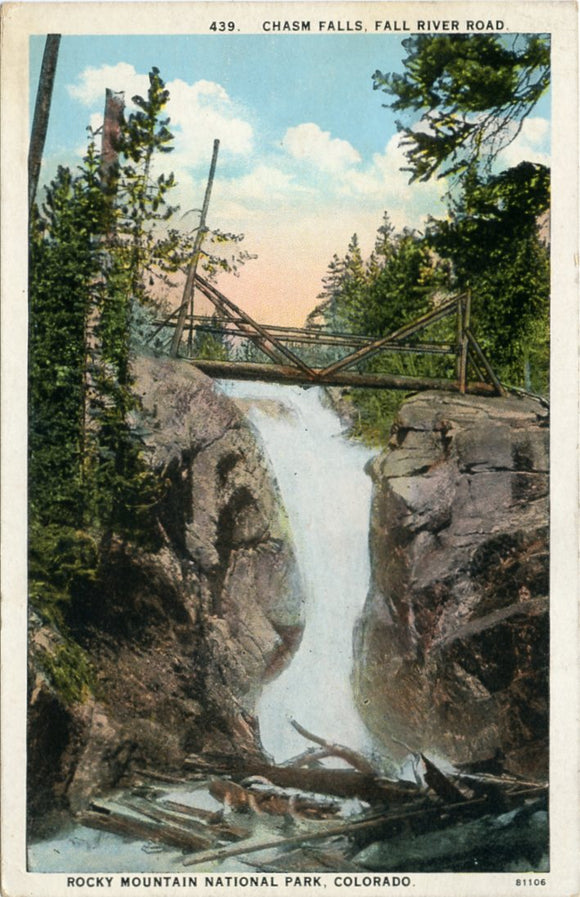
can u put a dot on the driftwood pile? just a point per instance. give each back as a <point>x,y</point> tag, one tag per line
<point>305,805</point>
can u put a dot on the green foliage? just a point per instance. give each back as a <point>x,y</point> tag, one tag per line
<point>472,91</point>
<point>466,98</point>
<point>141,201</point>
<point>70,672</point>
<point>490,243</point>
<point>126,492</point>
<point>97,247</point>
<point>491,236</point>
<point>64,265</point>
<point>378,296</point>
<point>222,254</point>
<point>98,244</point>
<point>343,286</point>
<point>247,350</point>
<point>406,277</point>
<point>211,346</point>
<point>145,336</point>
<point>376,410</point>
<point>90,252</point>
<point>62,565</point>
<point>399,282</point>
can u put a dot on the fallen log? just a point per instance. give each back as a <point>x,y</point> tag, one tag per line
<point>439,782</point>
<point>171,817</point>
<point>443,816</point>
<point>504,781</point>
<point>210,816</point>
<point>214,819</point>
<point>161,777</point>
<point>338,782</point>
<point>309,757</point>
<point>271,800</point>
<point>109,820</point>
<point>307,859</point>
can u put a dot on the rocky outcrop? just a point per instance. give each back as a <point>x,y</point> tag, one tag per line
<point>452,646</point>
<point>181,637</point>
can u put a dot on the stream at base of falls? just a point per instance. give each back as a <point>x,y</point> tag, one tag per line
<point>326,494</point>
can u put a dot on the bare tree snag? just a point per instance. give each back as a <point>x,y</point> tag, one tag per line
<point>356,760</point>
<point>440,783</point>
<point>41,113</point>
<point>112,122</point>
<point>190,282</point>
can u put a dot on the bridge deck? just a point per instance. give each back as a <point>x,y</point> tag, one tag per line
<point>277,373</point>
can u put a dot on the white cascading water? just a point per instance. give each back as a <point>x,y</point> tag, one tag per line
<point>327,496</point>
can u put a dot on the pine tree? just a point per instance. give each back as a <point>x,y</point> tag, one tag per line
<point>65,262</point>
<point>471,94</point>
<point>492,239</point>
<point>89,254</point>
<point>465,98</point>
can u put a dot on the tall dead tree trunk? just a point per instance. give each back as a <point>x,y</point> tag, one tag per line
<point>190,282</point>
<point>108,173</point>
<point>112,121</point>
<point>41,113</point>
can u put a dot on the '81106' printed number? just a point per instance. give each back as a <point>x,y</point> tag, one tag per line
<point>222,26</point>
<point>531,882</point>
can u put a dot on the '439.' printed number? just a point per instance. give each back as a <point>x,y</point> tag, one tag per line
<point>222,26</point>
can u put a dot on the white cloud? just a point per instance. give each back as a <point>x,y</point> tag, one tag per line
<point>536,130</point>
<point>90,88</point>
<point>310,143</point>
<point>266,184</point>
<point>96,121</point>
<point>278,192</point>
<point>94,126</point>
<point>199,112</point>
<point>384,185</point>
<point>334,176</point>
<point>202,112</point>
<point>531,145</point>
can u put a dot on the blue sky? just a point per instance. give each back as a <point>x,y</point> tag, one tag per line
<point>280,79</point>
<point>308,153</point>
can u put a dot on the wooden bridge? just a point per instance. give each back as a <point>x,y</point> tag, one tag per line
<point>281,347</point>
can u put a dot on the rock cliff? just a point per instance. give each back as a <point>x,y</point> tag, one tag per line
<point>452,646</point>
<point>181,638</point>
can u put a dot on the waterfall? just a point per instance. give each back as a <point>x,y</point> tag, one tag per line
<point>327,496</point>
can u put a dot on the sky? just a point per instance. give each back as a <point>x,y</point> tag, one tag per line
<point>308,153</point>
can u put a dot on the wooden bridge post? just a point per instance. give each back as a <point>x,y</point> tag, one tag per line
<point>458,336</point>
<point>463,320</point>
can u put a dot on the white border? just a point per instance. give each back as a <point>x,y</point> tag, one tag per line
<point>559,17</point>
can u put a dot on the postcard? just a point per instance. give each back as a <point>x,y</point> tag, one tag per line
<point>289,448</point>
